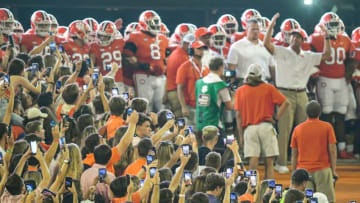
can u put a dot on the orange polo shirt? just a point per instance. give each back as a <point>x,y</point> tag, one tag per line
<point>115,157</point>
<point>174,61</point>
<point>311,138</point>
<point>135,167</point>
<point>188,75</point>
<point>256,104</point>
<point>113,124</point>
<point>246,197</point>
<point>135,198</point>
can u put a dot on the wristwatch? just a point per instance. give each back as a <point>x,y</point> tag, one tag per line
<point>66,161</point>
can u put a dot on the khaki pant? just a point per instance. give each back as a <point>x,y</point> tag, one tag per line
<point>294,113</point>
<point>323,180</point>
<point>174,103</point>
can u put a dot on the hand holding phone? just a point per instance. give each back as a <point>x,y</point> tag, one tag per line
<point>30,185</point>
<point>309,193</point>
<point>102,175</point>
<point>180,123</point>
<point>33,147</point>
<point>253,180</point>
<point>271,184</point>
<point>152,171</point>
<point>278,191</point>
<point>149,159</point>
<point>187,178</point>
<point>186,149</point>
<point>115,91</point>
<point>229,172</point>
<point>68,182</point>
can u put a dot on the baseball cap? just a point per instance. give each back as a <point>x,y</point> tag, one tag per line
<point>300,175</point>
<point>35,113</point>
<point>189,38</point>
<point>254,70</point>
<point>198,44</point>
<point>201,31</point>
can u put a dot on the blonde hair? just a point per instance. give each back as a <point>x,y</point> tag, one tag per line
<point>75,168</point>
<point>164,153</point>
<point>33,175</point>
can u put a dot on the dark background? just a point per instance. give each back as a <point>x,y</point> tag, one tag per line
<point>173,12</point>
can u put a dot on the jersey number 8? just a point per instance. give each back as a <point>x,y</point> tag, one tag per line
<point>155,51</point>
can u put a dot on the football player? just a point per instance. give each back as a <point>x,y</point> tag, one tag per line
<point>180,31</point>
<point>132,27</point>
<point>7,23</point>
<point>164,30</point>
<point>106,50</point>
<point>93,25</point>
<point>53,23</point>
<point>248,14</point>
<point>18,28</point>
<point>77,46</point>
<point>355,36</point>
<point>144,51</point>
<point>218,41</point>
<point>230,25</point>
<point>332,87</point>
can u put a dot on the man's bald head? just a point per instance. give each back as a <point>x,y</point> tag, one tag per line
<point>313,109</point>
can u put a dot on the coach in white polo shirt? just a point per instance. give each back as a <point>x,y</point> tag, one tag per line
<point>293,70</point>
<point>250,50</point>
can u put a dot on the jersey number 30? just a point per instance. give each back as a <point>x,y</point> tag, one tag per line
<point>337,56</point>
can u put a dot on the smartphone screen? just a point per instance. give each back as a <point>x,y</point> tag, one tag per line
<point>180,123</point>
<point>142,183</point>
<point>129,111</point>
<point>233,197</point>
<point>314,200</point>
<point>149,159</point>
<point>108,67</point>
<point>247,174</point>
<point>52,123</point>
<point>30,185</point>
<point>58,85</point>
<point>253,181</point>
<point>33,146</point>
<point>230,139</point>
<point>152,172</point>
<point>88,62</point>
<point>309,193</point>
<point>186,149</point>
<point>271,183</point>
<point>125,96</point>
<point>1,159</point>
<point>52,46</point>
<point>278,191</point>
<point>95,78</point>
<point>68,182</point>
<point>187,178</point>
<point>169,116</point>
<point>186,132</point>
<point>62,142</point>
<point>85,87</point>
<point>47,192</point>
<point>102,174</point>
<point>61,48</point>
<point>229,172</point>
<point>7,80</point>
<point>115,91</point>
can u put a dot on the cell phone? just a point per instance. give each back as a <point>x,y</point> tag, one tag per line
<point>88,61</point>
<point>186,132</point>
<point>95,78</point>
<point>85,87</point>
<point>30,185</point>
<point>33,146</point>
<point>229,73</point>
<point>229,172</point>
<point>278,191</point>
<point>271,184</point>
<point>7,80</point>
<point>52,46</point>
<point>129,111</point>
<point>233,197</point>
<point>186,149</point>
<point>68,182</point>
<point>47,192</point>
<point>187,178</point>
<point>314,200</point>
<point>34,68</point>
<point>9,130</point>
<point>180,122</point>
<point>52,123</point>
<point>253,180</point>
<point>50,33</point>
<point>125,96</point>
<point>142,183</point>
<point>191,129</point>
<point>240,166</point>
<point>149,159</point>
<point>230,139</point>
<point>115,91</point>
<point>247,174</point>
<point>352,201</point>
<point>58,85</point>
<point>62,142</point>
<point>61,48</point>
<point>169,116</point>
<point>11,41</point>
<point>108,67</point>
<point>48,71</point>
<point>102,174</point>
<point>309,193</point>
<point>1,159</point>
<point>152,171</point>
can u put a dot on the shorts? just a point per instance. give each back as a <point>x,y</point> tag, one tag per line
<point>260,141</point>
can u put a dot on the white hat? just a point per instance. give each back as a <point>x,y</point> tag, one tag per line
<point>189,38</point>
<point>35,113</point>
<point>321,197</point>
<point>254,70</point>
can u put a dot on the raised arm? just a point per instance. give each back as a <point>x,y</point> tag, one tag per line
<point>45,181</point>
<point>75,74</point>
<point>176,179</point>
<point>10,107</point>
<point>41,47</point>
<point>102,94</point>
<point>267,41</point>
<point>129,135</point>
<point>157,136</point>
<point>327,50</point>
<point>61,175</point>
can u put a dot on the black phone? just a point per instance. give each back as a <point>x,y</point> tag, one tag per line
<point>186,132</point>
<point>169,116</point>
<point>7,80</point>
<point>11,41</point>
<point>247,174</point>
<point>9,130</point>
<point>186,149</point>
<point>68,182</point>
<point>233,197</point>
<point>149,159</point>
<point>52,46</point>
<point>187,178</point>
<point>58,85</point>
<point>180,122</point>
<point>61,48</point>
<point>309,193</point>
<point>230,139</point>
<point>1,159</point>
<point>48,71</point>
<point>102,174</point>
<point>152,171</point>
<point>278,191</point>
<point>34,68</point>
<point>47,192</point>
<point>30,185</point>
<point>229,73</point>
<point>88,61</point>
<point>108,67</point>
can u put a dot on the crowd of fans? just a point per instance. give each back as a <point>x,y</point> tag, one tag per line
<point>91,116</point>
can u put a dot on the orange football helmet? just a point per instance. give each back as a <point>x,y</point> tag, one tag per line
<point>229,24</point>
<point>79,29</point>
<point>332,22</point>
<point>132,27</point>
<point>150,21</point>
<point>287,27</point>
<point>218,37</point>
<point>40,23</point>
<point>106,33</point>
<point>7,21</point>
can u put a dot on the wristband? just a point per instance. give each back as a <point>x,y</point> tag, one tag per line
<point>9,150</point>
<point>181,195</point>
<point>56,140</point>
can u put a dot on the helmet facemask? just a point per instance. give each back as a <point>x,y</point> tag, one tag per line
<point>230,28</point>
<point>42,29</point>
<point>333,27</point>
<point>104,39</point>
<point>154,25</point>
<point>6,26</point>
<point>218,41</point>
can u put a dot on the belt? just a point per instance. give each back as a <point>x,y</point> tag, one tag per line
<point>292,90</point>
